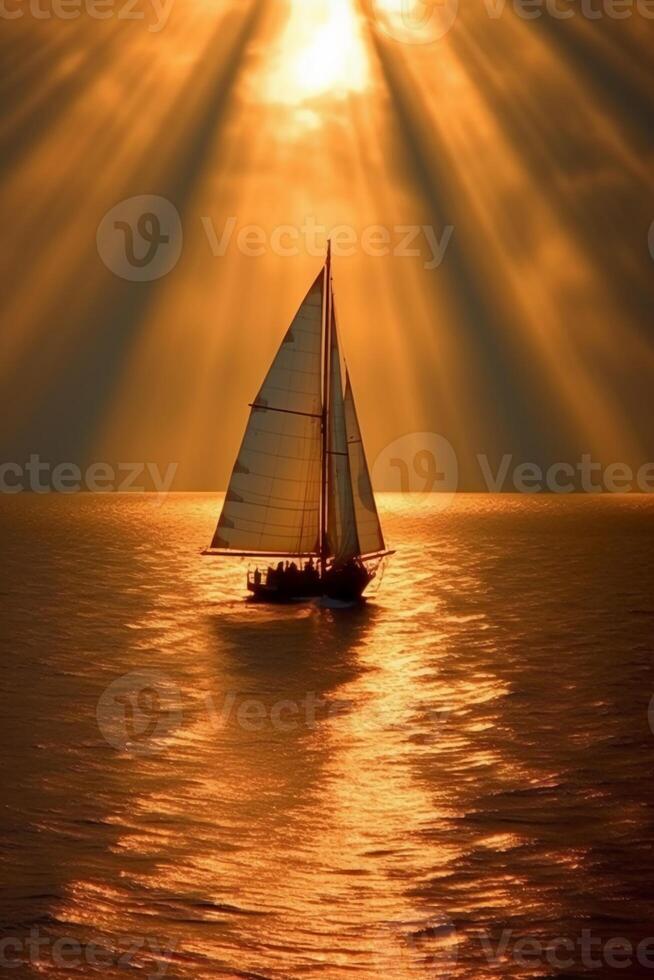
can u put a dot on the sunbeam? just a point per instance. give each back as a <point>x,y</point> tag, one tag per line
<point>346,116</point>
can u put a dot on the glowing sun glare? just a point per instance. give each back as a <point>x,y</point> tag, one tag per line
<point>320,52</point>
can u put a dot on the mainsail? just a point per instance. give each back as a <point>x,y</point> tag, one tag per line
<point>369,532</point>
<point>342,530</point>
<point>272,504</point>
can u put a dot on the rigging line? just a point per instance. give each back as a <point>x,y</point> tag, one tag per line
<point>252,526</point>
<point>269,455</point>
<point>281,479</point>
<point>309,373</point>
<point>250,494</point>
<point>286,411</point>
<point>300,507</point>
<point>286,435</point>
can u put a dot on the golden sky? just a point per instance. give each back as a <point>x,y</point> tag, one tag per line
<point>523,147</point>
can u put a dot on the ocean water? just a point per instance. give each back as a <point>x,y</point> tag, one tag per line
<point>195,787</point>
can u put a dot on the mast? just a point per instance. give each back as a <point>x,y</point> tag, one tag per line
<point>326,348</point>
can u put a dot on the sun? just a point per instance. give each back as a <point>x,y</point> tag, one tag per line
<point>320,53</point>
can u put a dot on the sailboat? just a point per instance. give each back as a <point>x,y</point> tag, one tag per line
<point>300,494</point>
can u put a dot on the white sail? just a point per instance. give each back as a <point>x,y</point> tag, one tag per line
<point>273,499</point>
<point>342,529</point>
<point>369,530</point>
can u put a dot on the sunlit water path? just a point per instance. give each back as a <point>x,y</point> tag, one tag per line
<point>337,793</point>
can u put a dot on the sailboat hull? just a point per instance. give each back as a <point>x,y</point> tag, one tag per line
<point>281,594</point>
<point>346,584</point>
